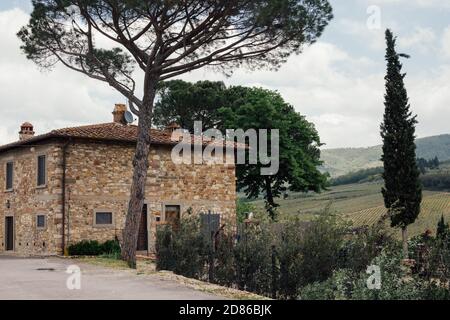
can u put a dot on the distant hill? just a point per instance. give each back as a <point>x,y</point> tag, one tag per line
<point>344,160</point>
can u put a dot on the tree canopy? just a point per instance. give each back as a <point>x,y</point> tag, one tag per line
<point>239,107</point>
<point>185,102</point>
<point>107,39</point>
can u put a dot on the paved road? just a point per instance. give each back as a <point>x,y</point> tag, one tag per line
<point>20,278</point>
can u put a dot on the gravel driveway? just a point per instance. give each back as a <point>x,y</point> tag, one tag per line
<point>46,278</point>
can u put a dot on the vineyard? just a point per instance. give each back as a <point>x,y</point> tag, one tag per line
<point>433,207</point>
<point>362,204</point>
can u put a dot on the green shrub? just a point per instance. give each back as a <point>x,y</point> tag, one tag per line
<point>338,287</point>
<point>290,260</point>
<point>253,260</point>
<point>184,251</point>
<point>190,249</point>
<point>320,246</point>
<point>243,208</point>
<point>164,249</point>
<point>224,271</point>
<point>110,248</point>
<point>320,260</point>
<point>359,250</point>
<point>85,248</point>
<point>396,282</point>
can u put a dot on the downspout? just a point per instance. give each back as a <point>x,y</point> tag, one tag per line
<point>63,195</point>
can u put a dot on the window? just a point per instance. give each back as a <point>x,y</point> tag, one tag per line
<point>9,175</point>
<point>41,171</point>
<point>103,218</point>
<point>173,216</point>
<point>40,221</point>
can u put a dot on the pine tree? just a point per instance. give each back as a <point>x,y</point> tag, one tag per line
<point>402,191</point>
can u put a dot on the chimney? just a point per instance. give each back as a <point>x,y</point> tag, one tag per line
<point>119,113</point>
<point>26,131</point>
<point>171,128</point>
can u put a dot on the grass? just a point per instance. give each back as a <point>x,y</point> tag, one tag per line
<point>105,261</point>
<point>362,204</point>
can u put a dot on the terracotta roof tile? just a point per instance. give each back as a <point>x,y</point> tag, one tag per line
<point>112,132</point>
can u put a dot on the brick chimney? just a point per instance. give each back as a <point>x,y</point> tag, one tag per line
<point>119,113</point>
<point>171,129</point>
<point>26,131</point>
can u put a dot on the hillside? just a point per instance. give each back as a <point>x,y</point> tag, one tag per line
<point>344,160</point>
<point>362,204</point>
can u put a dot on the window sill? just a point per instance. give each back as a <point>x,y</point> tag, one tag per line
<point>44,186</point>
<point>104,226</point>
<point>9,191</point>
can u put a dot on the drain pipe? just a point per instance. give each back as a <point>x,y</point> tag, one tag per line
<point>63,195</point>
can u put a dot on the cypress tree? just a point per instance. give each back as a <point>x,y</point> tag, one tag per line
<point>402,191</point>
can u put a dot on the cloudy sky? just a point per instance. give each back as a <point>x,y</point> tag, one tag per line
<point>337,83</point>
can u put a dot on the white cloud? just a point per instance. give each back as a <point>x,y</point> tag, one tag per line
<point>446,42</point>
<point>418,3</point>
<point>340,91</point>
<point>333,89</point>
<point>47,99</point>
<point>422,38</point>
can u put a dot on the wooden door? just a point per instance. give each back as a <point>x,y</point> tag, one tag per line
<point>9,233</point>
<point>142,243</point>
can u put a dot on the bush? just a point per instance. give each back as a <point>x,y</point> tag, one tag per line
<point>290,259</point>
<point>359,250</point>
<point>243,208</point>
<point>253,260</point>
<point>185,251</point>
<point>319,260</point>
<point>224,269</point>
<point>320,246</point>
<point>165,258</point>
<point>94,248</point>
<point>396,283</point>
<point>190,249</point>
<point>85,248</point>
<point>111,249</point>
<point>338,287</point>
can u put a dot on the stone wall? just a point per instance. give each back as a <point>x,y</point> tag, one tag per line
<point>27,200</point>
<point>98,178</point>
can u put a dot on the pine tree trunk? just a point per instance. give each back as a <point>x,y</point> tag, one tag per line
<point>140,165</point>
<point>405,243</point>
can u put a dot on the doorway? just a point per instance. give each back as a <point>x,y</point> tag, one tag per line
<point>142,243</point>
<point>9,233</point>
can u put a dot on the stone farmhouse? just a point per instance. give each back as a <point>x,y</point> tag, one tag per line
<point>73,184</point>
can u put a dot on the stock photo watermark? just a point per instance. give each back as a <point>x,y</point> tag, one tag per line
<point>374,20</point>
<point>236,146</point>
<point>374,280</point>
<point>73,282</point>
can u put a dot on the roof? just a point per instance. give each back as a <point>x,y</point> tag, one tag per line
<point>112,132</point>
